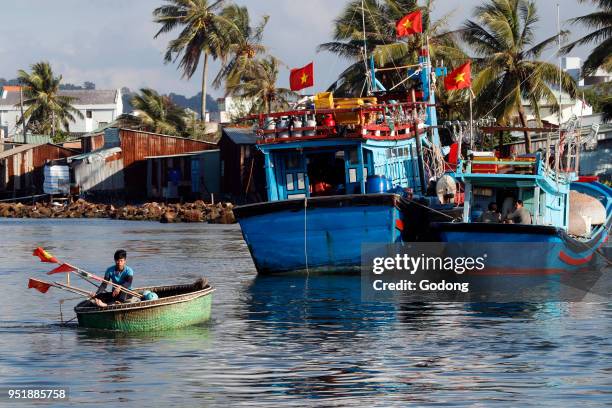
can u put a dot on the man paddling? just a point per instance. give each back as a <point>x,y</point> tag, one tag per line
<point>119,274</point>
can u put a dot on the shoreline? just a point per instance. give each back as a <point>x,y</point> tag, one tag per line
<point>197,211</point>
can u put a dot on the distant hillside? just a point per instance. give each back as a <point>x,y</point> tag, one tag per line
<point>194,103</point>
<point>69,87</point>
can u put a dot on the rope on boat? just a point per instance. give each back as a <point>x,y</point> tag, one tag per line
<point>428,208</point>
<point>305,236</point>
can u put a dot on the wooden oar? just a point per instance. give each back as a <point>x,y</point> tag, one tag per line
<point>43,287</point>
<point>66,267</point>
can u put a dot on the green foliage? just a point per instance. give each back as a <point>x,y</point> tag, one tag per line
<point>599,97</point>
<point>46,112</point>
<point>258,84</point>
<point>157,113</point>
<point>507,61</point>
<point>600,22</point>
<point>380,33</point>
<point>243,48</point>
<point>203,33</point>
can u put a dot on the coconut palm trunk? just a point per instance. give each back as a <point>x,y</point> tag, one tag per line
<point>522,118</point>
<point>204,75</point>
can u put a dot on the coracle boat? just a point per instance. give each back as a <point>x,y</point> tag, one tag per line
<point>177,306</point>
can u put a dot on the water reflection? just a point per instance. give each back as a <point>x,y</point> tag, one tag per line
<point>287,340</point>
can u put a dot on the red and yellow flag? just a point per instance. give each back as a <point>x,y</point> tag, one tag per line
<point>44,255</point>
<point>459,78</point>
<point>301,78</point>
<point>40,286</point>
<point>62,268</point>
<point>411,23</point>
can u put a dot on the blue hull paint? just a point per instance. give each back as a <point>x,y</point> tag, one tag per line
<point>334,236</point>
<point>553,252</point>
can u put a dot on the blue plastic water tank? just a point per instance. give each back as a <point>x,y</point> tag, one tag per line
<point>376,184</point>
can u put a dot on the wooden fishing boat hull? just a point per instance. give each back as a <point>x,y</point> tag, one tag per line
<point>542,250</point>
<point>178,306</point>
<point>322,234</point>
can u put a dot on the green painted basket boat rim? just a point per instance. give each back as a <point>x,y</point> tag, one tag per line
<point>199,289</point>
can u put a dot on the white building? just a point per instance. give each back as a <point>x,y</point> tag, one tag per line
<point>98,108</point>
<point>231,108</point>
<point>569,107</point>
<point>573,66</point>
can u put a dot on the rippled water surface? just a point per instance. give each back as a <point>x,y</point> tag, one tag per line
<point>284,340</point>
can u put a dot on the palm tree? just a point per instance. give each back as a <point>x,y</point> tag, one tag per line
<point>601,22</point>
<point>204,34</point>
<point>380,17</point>
<point>510,71</point>
<point>259,85</point>
<point>244,47</point>
<point>47,111</point>
<point>157,113</point>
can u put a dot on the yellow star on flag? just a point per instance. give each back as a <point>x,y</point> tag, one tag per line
<point>460,78</point>
<point>408,24</point>
<point>304,78</point>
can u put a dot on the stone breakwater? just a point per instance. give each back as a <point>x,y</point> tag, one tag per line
<point>198,211</point>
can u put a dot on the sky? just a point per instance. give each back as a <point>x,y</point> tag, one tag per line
<point>110,42</point>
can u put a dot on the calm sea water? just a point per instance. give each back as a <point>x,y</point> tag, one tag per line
<point>284,340</point>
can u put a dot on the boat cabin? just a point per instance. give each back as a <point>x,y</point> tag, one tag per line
<point>339,167</point>
<point>545,193</point>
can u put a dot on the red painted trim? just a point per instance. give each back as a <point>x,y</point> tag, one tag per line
<point>399,224</point>
<point>574,261</point>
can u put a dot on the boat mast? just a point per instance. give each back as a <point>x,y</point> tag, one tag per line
<point>369,75</point>
<point>559,116</point>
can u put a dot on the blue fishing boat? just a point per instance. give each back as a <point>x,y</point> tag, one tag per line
<point>339,175</point>
<point>569,218</point>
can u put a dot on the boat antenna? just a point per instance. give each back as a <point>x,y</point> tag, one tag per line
<point>369,74</point>
<point>559,116</point>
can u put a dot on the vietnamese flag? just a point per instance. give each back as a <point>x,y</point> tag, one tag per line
<point>40,286</point>
<point>411,23</point>
<point>44,255</point>
<point>459,78</point>
<point>301,78</point>
<point>62,268</point>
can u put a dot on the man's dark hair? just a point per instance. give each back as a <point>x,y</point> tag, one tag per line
<point>519,202</point>
<point>492,206</point>
<point>120,254</point>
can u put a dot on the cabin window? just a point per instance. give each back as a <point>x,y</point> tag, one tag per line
<point>300,181</point>
<point>290,182</point>
<point>292,161</point>
<point>365,173</point>
<point>352,175</point>
<point>352,156</point>
<point>88,114</point>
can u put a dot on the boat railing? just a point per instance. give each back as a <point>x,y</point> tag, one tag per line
<point>394,121</point>
<point>495,166</point>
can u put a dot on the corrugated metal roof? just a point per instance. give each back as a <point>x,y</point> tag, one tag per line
<point>18,149</point>
<point>32,139</point>
<point>82,96</point>
<point>102,153</point>
<point>241,135</point>
<point>182,154</point>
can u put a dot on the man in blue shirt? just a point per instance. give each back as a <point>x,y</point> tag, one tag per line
<point>119,274</point>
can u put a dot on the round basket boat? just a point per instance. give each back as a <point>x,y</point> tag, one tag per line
<point>177,306</point>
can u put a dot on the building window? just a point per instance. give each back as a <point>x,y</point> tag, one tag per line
<point>88,114</point>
